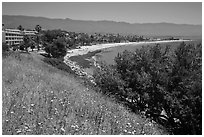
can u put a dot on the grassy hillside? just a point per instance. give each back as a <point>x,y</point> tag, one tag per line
<point>40,99</point>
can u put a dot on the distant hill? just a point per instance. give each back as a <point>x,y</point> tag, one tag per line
<point>147,29</point>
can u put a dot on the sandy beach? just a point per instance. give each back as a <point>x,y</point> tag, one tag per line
<point>85,49</point>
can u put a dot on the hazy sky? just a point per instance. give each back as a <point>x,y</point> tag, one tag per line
<point>180,13</point>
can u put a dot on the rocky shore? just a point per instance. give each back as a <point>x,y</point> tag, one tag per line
<point>78,70</point>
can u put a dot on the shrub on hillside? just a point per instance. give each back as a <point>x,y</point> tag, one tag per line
<point>5,47</point>
<point>184,99</point>
<point>21,46</point>
<point>47,48</point>
<point>26,42</point>
<point>161,84</point>
<point>109,80</point>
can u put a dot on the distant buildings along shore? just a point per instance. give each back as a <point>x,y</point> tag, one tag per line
<point>15,36</point>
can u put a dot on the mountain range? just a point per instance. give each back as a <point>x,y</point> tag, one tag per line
<point>146,29</point>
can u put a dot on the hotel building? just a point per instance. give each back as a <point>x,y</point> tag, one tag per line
<point>15,36</point>
<point>12,36</point>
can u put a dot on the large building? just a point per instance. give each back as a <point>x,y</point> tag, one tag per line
<point>30,32</point>
<point>15,36</point>
<point>12,36</point>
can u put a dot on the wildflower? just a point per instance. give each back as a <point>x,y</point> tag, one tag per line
<point>125,130</point>
<point>62,129</point>
<point>133,132</point>
<point>18,131</point>
<point>29,130</point>
<point>73,126</point>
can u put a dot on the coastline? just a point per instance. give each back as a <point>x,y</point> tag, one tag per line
<point>82,51</point>
<point>85,49</point>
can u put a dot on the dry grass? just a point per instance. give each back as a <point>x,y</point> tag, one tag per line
<point>40,99</point>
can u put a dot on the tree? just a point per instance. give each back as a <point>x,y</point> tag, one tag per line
<point>5,47</point>
<point>185,88</point>
<point>32,45</point>
<point>157,80</point>
<point>38,28</point>
<point>38,41</point>
<point>26,41</point>
<point>21,46</point>
<point>57,49</point>
<point>47,48</point>
<point>20,28</point>
<point>51,35</point>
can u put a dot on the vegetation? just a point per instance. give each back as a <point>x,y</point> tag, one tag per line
<point>165,85</point>
<point>32,45</point>
<point>56,42</point>
<point>74,39</point>
<point>5,47</point>
<point>57,49</point>
<point>40,99</point>
<point>38,28</point>
<point>20,28</point>
<point>50,35</point>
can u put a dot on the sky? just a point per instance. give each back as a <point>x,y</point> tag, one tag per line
<point>135,12</point>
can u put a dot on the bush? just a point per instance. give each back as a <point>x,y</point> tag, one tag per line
<point>21,47</point>
<point>5,47</point>
<point>47,48</point>
<point>185,88</point>
<point>166,86</point>
<point>109,80</point>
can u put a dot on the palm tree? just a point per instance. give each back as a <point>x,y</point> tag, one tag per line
<point>26,41</point>
<point>20,28</point>
<point>38,28</point>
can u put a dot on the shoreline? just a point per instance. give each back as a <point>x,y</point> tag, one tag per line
<point>80,71</point>
<point>85,49</point>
